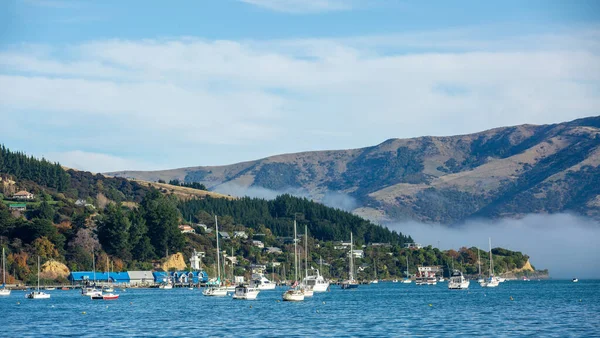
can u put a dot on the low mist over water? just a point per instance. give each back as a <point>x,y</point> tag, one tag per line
<point>565,244</point>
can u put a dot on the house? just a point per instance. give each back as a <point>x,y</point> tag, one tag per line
<point>203,226</point>
<point>224,235</point>
<point>17,207</point>
<point>275,264</point>
<point>258,244</point>
<point>385,245</point>
<point>358,253</point>
<point>273,250</point>
<point>413,246</point>
<point>140,278</point>
<point>258,268</point>
<point>23,195</point>
<point>84,203</point>
<point>186,229</point>
<point>240,234</point>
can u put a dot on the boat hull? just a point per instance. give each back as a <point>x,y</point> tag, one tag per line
<point>215,292</point>
<point>293,296</point>
<point>347,286</point>
<point>4,292</point>
<point>38,295</point>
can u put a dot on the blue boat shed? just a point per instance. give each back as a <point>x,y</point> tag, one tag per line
<point>84,276</point>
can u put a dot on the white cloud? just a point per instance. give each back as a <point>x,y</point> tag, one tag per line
<point>83,160</point>
<point>216,102</point>
<point>304,6</point>
<point>565,244</point>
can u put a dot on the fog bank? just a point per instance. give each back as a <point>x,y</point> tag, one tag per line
<point>565,244</point>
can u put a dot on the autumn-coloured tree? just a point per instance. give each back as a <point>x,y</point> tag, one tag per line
<point>44,248</point>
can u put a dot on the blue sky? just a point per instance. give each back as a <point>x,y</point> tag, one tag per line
<point>114,85</point>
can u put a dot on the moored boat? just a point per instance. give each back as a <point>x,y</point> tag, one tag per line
<point>457,281</point>
<point>4,291</point>
<point>245,292</point>
<point>350,283</point>
<point>491,281</point>
<point>575,280</point>
<point>217,290</point>
<point>294,294</point>
<point>38,294</point>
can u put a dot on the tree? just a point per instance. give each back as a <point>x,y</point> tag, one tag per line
<point>113,231</point>
<point>141,248</point>
<point>162,220</point>
<point>44,248</point>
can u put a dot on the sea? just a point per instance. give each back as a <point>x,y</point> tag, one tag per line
<point>546,308</point>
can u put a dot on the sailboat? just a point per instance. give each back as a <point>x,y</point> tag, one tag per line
<point>374,281</point>
<point>308,290</point>
<point>109,295</point>
<point>108,287</point>
<point>492,281</point>
<point>350,283</point>
<point>480,279</point>
<point>217,290</point>
<point>295,293</point>
<point>92,291</point>
<point>4,291</point>
<point>407,280</point>
<point>38,294</point>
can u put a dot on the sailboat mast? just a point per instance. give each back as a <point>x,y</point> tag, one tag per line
<point>491,259</point>
<point>306,250</point>
<point>351,274</point>
<point>479,262</point>
<point>3,268</point>
<point>295,254</point>
<point>94,266</point>
<point>218,253</point>
<point>38,288</point>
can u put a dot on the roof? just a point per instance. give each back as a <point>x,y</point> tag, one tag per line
<point>223,234</point>
<point>140,274</point>
<point>22,193</point>
<point>100,276</point>
<point>17,205</point>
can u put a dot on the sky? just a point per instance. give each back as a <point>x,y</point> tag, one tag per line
<point>147,85</point>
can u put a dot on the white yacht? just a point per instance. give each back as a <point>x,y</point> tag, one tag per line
<point>245,292</point>
<point>90,292</point>
<point>218,290</point>
<point>350,283</point>
<point>458,281</point>
<point>407,279</point>
<point>38,294</point>
<point>261,282</point>
<point>491,281</point>
<point>294,294</point>
<point>317,282</point>
<point>575,280</point>
<point>4,291</point>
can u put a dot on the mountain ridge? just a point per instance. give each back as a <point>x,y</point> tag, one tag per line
<point>500,172</point>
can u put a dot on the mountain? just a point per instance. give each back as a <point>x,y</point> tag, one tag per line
<point>502,172</point>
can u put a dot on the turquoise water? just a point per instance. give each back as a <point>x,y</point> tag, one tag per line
<point>538,308</point>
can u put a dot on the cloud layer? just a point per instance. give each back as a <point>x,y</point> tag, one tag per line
<point>190,101</point>
<point>565,244</point>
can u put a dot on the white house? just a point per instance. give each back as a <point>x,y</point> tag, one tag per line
<point>258,244</point>
<point>23,195</point>
<point>413,246</point>
<point>186,229</point>
<point>358,253</point>
<point>240,234</point>
<point>273,250</point>
<point>224,235</point>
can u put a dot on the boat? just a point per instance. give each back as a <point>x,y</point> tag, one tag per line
<point>441,279</point>
<point>4,291</point>
<point>217,290</point>
<point>107,296</point>
<point>457,281</point>
<point>308,289</point>
<point>295,293</point>
<point>375,280</point>
<point>108,288</point>
<point>91,291</point>
<point>50,288</point>
<point>407,280</point>
<point>575,280</point>
<point>479,279</point>
<point>317,282</point>
<point>394,280</point>
<point>491,281</point>
<point>64,288</point>
<point>245,292</point>
<point>261,282</point>
<point>350,283</point>
<point>38,294</point>
<point>525,279</point>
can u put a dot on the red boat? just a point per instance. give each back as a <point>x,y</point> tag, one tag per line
<point>108,296</point>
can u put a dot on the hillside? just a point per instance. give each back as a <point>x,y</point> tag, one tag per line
<point>503,172</point>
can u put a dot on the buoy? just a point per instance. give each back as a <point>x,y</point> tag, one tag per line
<point>278,301</point>
<point>84,313</point>
<point>250,306</point>
<point>130,303</point>
<point>317,311</point>
<point>107,306</point>
<point>511,298</point>
<point>430,305</point>
<point>18,303</point>
<point>323,302</point>
<point>580,300</point>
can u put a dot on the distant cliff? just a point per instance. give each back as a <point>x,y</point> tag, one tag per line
<point>503,172</point>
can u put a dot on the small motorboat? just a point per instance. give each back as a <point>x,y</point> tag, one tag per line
<point>38,295</point>
<point>575,280</point>
<point>245,292</point>
<point>108,296</point>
